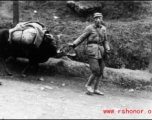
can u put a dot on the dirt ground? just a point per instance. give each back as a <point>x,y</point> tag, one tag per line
<point>63,97</point>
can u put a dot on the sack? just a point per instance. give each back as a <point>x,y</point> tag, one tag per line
<point>26,37</point>
<point>17,36</point>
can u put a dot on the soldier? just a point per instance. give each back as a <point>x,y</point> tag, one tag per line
<point>97,47</point>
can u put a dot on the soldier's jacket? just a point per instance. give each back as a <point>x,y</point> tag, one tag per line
<point>95,47</point>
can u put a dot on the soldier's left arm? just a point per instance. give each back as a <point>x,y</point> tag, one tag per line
<point>106,42</point>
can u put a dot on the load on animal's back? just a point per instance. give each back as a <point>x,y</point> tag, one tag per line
<point>26,37</point>
<point>35,39</point>
<point>28,33</point>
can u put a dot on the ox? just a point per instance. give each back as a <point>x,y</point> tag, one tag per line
<point>35,54</point>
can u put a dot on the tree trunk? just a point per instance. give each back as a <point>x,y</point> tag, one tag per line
<point>150,60</point>
<point>15,12</point>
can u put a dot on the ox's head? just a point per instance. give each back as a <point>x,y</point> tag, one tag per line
<point>63,50</point>
<point>67,51</point>
<point>50,39</point>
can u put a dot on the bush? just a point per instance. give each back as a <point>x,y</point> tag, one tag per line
<point>110,9</point>
<point>129,47</point>
<point>6,25</point>
<point>124,9</point>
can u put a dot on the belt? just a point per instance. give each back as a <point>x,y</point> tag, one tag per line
<point>95,43</point>
<point>92,42</point>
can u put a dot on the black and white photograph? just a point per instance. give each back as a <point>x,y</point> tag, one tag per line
<point>75,59</point>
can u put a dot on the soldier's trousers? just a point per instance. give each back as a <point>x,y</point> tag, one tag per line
<point>97,68</point>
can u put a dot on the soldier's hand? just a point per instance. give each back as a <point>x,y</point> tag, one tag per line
<point>70,44</point>
<point>108,51</point>
<point>107,54</point>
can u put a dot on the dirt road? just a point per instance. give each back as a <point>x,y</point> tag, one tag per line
<point>64,97</point>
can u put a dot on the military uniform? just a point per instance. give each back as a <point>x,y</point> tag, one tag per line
<point>95,47</point>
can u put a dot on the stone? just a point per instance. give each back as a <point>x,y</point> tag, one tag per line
<point>84,7</point>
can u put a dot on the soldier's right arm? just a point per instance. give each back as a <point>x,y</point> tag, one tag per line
<point>82,37</point>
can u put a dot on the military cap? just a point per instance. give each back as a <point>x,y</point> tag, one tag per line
<point>98,15</point>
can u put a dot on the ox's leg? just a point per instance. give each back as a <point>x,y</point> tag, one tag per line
<point>10,58</point>
<point>25,69</point>
<point>39,78</point>
<point>6,69</point>
<point>5,55</point>
<point>36,68</point>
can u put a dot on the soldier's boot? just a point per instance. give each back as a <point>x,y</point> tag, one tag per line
<point>89,83</point>
<point>96,87</point>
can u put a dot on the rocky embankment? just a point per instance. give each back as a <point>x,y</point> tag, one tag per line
<point>126,78</point>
